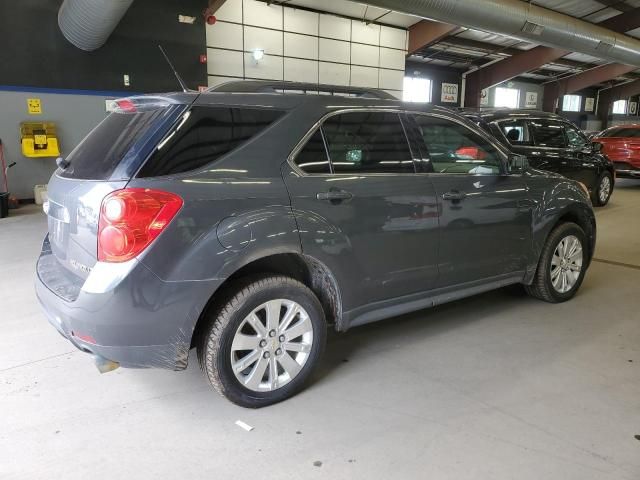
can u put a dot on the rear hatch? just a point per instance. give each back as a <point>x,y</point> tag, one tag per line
<point>103,162</point>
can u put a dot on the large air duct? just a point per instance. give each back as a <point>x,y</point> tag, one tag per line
<point>88,23</point>
<point>524,21</point>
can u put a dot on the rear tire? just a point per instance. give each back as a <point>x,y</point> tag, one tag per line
<point>603,190</point>
<point>262,345</point>
<point>562,265</point>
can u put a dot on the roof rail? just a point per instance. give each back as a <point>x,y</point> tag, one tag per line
<point>283,87</point>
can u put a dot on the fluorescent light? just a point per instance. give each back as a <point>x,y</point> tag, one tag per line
<point>258,54</point>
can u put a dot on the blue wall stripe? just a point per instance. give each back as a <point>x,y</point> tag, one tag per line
<point>68,91</point>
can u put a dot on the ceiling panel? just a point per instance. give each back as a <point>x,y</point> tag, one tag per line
<point>357,10</point>
<point>581,57</point>
<point>634,33</point>
<point>602,15</point>
<point>575,8</point>
<point>487,37</point>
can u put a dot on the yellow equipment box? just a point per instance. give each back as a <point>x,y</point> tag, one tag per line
<point>38,139</point>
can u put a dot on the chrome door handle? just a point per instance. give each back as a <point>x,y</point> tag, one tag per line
<point>454,195</point>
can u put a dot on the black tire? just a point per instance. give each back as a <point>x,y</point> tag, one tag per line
<point>542,286</point>
<point>598,198</point>
<point>214,346</point>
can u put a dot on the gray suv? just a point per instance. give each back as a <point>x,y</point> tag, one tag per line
<point>245,220</point>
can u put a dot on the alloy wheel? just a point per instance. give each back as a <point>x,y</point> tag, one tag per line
<point>271,345</point>
<point>605,189</point>
<point>566,264</point>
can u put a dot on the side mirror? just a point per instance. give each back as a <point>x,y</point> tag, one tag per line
<point>518,164</point>
<point>596,147</point>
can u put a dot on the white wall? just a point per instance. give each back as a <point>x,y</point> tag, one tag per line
<point>304,46</point>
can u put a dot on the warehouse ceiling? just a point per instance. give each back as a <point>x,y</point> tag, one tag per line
<point>466,48</point>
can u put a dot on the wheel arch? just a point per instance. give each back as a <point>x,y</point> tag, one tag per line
<point>308,270</point>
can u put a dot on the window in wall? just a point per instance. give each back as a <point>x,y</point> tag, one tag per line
<point>507,97</point>
<point>620,107</point>
<point>417,90</point>
<point>313,156</point>
<point>453,148</point>
<point>571,103</point>
<point>367,142</point>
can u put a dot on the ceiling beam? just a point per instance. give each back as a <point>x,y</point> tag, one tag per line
<point>426,33</point>
<point>530,60</point>
<point>575,83</point>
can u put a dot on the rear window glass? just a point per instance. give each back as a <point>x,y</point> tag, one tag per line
<point>622,133</point>
<point>100,153</point>
<point>203,135</point>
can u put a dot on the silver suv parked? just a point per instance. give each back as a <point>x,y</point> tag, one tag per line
<point>245,220</point>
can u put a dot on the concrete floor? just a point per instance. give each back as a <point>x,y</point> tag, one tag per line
<point>493,387</point>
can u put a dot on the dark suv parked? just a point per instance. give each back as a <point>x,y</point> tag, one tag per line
<point>245,220</point>
<point>552,143</point>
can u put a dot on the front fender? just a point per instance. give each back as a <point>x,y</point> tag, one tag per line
<point>565,201</point>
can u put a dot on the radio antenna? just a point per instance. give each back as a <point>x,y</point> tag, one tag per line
<point>173,69</point>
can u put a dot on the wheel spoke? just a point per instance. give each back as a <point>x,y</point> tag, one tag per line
<point>297,347</point>
<point>273,314</point>
<point>563,286</point>
<point>289,316</point>
<point>257,325</point>
<point>555,260</point>
<point>300,328</point>
<point>246,361</point>
<point>576,255</point>
<point>273,373</point>
<point>289,365</point>
<point>245,342</point>
<point>555,273</point>
<point>255,377</point>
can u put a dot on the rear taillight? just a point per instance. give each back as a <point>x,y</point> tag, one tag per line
<point>131,219</point>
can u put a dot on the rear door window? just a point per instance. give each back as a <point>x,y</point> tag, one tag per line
<point>367,142</point>
<point>100,153</point>
<point>205,134</point>
<point>516,132</point>
<point>548,133</point>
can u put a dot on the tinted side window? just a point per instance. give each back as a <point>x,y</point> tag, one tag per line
<point>205,134</point>
<point>313,156</point>
<point>454,148</point>
<point>548,133</point>
<point>367,142</point>
<point>516,132</point>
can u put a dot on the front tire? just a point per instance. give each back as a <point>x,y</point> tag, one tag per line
<point>562,265</point>
<point>603,190</point>
<point>263,344</point>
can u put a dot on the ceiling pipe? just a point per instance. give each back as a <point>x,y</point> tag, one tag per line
<point>525,22</point>
<point>87,24</point>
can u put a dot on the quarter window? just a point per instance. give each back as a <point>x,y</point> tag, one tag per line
<point>313,156</point>
<point>367,142</point>
<point>203,135</point>
<point>548,134</point>
<point>454,148</point>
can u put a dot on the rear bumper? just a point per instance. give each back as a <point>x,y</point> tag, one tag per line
<point>140,322</point>
<point>626,169</point>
